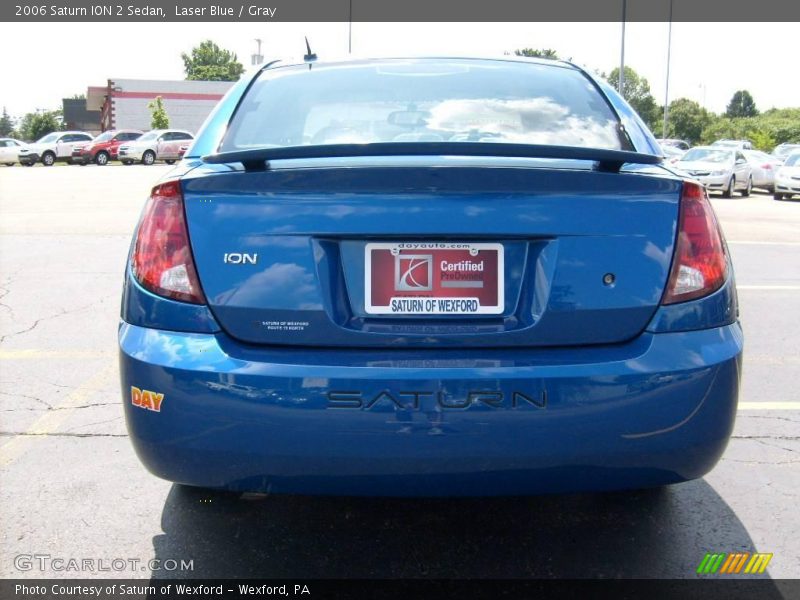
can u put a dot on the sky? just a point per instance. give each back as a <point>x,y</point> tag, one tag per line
<point>709,61</point>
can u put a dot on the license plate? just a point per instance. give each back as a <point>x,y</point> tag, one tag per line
<point>433,278</point>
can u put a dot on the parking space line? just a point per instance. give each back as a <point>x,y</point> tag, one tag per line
<point>769,405</point>
<point>767,287</point>
<point>762,243</point>
<point>51,420</point>
<point>33,353</point>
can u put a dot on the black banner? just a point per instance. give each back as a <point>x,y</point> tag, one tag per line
<point>399,10</point>
<point>414,589</point>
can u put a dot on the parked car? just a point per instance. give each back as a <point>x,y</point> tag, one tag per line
<point>738,144</point>
<point>763,167</point>
<point>412,312</point>
<point>787,178</point>
<point>672,153</point>
<point>159,144</point>
<point>104,147</point>
<point>679,144</point>
<point>56,146</point>
<point>781,151</point>
<point>9,151</point>
<point>718,168</point>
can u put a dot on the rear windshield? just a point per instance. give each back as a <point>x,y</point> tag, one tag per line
<point>424,101</point>
<point>793,160</point>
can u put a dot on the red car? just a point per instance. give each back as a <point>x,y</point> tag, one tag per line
<point>104,147</point>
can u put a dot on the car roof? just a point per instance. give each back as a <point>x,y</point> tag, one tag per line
<point>363,60</point>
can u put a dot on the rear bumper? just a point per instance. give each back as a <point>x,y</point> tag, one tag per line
<point>654,411</point>
<point>717,182</point>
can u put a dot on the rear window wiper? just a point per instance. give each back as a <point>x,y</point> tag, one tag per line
<point>257,159</point>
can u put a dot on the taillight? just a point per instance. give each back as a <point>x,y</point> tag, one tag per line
<point>162,260</point>
<point>699,265</point>
<point>767,166</point>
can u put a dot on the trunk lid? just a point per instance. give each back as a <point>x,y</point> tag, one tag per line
<point>285,255</point>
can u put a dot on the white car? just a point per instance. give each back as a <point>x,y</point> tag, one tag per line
<point>787,178</point>
<point>719,169</point>
<point>158,144</point>
<point>764,167</point>
<point>737,144</point>
<point>53,147</point>
<point>9,151</point>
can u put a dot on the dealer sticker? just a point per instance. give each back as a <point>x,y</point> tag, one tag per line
<point>433,278</point>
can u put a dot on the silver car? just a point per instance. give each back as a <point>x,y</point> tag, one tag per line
<point>781,151</point>
<point>158,144</point>
<point>9,151</point>
<point>738,144</point>
<point>764,166</point>
<point>787,178</point>
<point>719,169</point>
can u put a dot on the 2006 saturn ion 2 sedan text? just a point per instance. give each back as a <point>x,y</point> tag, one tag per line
<point>428,277</point>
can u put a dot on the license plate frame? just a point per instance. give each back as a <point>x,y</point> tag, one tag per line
<point>434,279</point>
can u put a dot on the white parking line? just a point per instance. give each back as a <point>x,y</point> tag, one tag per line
<point>764,243</point>
<point>769,405</point>
<point>767,287</point>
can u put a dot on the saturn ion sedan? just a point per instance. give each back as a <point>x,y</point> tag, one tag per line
<point>428,277</point>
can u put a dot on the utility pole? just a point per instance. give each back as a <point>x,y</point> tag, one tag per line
<point>257,58</point>
<point>350,29</point>
<point>666,92</point>
<point>621,84</point>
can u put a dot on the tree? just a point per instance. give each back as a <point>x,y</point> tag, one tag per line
<point>741,105</point>
<point>37,124</point>
<point>637,92</point>
<point>159,118</point>
<point>687,120</point>
<point>209,62</point>
<point>534,53</point>
<point>6,124</point>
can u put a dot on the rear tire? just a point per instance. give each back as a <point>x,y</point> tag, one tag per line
<point>149,157</point>
<point>101,159</point>
<point>127,163</point>
<point>9,164</point>
<point>749,188</point>
<point>170,162</point>
<point>48,159</point>
<point>777,196</point>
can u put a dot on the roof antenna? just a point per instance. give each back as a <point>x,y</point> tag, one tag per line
<point>310,56</point>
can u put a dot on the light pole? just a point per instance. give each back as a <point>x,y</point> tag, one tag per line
<point>621,85</point>
<point>257,58</point>
<point>666,91</point>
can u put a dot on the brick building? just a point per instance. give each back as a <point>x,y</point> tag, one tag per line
<point>123,102</point>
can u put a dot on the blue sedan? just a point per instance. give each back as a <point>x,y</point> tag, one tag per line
<point>428,277</point>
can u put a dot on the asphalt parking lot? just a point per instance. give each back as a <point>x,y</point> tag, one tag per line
<point>71,486</point>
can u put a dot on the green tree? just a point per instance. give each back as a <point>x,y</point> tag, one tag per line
<point>209,62</point>
<point>37,124</point>
<point>159,119</point>
<point>6,124</point>
<point>637,92</point>
<point>741,105</point>
<point>687,120</point>
<point>536,53</point>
